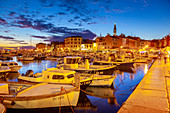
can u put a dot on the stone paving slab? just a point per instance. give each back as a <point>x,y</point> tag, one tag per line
<point>153,92</point>
<point>138,109</point>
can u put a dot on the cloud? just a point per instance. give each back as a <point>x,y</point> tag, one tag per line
<point>2,21</point>
<point>48,3</point>
<point>12,13</point>
<point>6,37</point>
<point>40,37</point>
<point>61,13</point>
<point>12,40</point>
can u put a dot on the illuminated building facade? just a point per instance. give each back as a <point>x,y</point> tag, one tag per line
<point>41,46</point>
<point>73,43</point>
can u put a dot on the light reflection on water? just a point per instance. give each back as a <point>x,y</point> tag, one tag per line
<point>106,100</point>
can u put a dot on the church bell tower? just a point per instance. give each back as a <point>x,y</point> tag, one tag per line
<point>114,31</point>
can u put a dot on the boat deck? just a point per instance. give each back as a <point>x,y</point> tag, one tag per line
<point>43,89</point>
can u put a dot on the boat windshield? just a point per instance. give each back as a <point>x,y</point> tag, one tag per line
<point>4,65</point>
<point>11,64</point>
<point>15,64</point>
<point>72,60</point>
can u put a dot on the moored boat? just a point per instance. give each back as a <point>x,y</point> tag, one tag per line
<point>44,95</point>
<point>101,80</point>
<point>55,76</point>
<point>25,58</point>
<point>122,64</point>
<point>72,63</point>
<point>51,58</point>
<point>12,65</point>
<point>140,60</point>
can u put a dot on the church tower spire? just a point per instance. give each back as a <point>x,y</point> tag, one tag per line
<point>114,31</point>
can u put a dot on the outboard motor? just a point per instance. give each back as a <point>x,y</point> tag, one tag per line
<point>29,73</point>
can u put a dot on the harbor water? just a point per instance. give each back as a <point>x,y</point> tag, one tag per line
<point>94,99</point>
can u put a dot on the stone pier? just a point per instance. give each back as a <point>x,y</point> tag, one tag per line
<point>152,95</point>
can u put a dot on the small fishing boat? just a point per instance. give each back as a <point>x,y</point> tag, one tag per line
<point>140,60</point>
<point>56,76</point>
<point>72,63</point>
<point>101,80</point>
<point>25,58</point>
<point>122,64</point>
<point>30,96</point>
<point>51,58</point>
<point>5,58</point>
<point>12,65</point>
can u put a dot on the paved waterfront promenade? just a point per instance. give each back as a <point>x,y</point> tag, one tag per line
<point>152,95</point>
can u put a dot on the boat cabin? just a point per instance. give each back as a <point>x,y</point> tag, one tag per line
<point>58,74</point>
<point>9,64</point>
<point>72,61</point>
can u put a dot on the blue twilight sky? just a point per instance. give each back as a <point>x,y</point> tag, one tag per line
<point>25,22</point>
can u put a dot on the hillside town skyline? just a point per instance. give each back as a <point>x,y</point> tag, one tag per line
<point>108,42</point>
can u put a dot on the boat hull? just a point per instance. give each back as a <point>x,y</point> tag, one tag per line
<point>106,71</point>
<point>25,58</point>
<point>15,68</point>
<point>69,99</point>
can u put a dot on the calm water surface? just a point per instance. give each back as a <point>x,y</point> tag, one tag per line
<point>97,99</point>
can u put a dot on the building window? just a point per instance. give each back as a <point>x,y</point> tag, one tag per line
<point>75,42</point>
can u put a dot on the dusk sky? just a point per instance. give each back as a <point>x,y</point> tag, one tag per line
<point>53,20</point>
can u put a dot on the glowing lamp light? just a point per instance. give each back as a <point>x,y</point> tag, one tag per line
<point>94,44</point>
<point>82,46</point>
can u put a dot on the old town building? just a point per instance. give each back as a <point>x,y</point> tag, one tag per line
<point>73,43</point>
<point>40,46</point>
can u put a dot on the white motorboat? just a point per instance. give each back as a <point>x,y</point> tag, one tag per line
<point>101,80</point>
<point>72,63</point>
<point>51,58</point>
<point>57,76</point>
<point>44,95</point>
<point>12,65</point>
<point>140,60</point>
<point>122,64</point>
